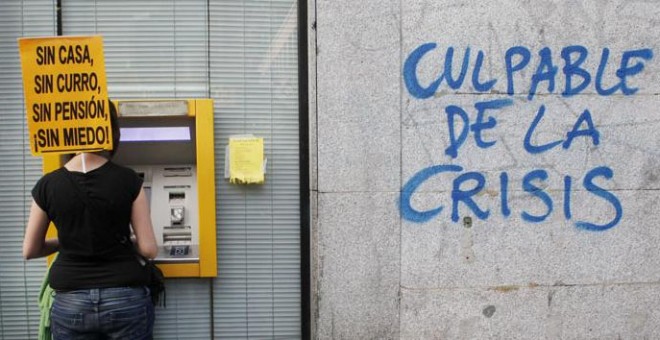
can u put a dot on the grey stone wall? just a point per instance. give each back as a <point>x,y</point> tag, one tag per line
<point>520,202</point>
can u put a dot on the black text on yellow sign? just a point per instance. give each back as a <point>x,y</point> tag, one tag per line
<point>65,94</point>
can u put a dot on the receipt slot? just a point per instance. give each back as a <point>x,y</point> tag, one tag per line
<point>169,143</point>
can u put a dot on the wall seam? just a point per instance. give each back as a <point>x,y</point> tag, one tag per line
<point>399,290</point>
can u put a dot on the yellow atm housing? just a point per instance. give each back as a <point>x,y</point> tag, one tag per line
<point>170,144</point>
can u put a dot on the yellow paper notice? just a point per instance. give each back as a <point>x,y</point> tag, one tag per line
<point>66,96</point>
<point>246,160</point>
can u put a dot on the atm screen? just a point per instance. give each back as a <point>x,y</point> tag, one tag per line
<point>156,141</point>
<point>155,134</point>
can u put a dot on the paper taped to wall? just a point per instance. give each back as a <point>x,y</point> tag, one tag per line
<point>245,160</point>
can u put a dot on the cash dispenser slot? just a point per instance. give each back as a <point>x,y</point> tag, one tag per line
<point>184,171</point>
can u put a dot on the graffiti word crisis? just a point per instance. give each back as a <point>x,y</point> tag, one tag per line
<point>565,75</point>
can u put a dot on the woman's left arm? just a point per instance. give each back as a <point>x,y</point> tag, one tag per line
<point>35,243</point>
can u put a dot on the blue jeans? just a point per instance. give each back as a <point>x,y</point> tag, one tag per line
<point>102,313</point>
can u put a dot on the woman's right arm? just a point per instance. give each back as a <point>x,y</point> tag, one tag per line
<point>35,243</point>
<point>142,227</point>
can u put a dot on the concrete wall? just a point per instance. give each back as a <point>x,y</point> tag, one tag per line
<point>520,202</point>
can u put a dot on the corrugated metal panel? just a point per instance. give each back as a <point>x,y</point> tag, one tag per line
<point>19,281</point>
<point>254,75</point>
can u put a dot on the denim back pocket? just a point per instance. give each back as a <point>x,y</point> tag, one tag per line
<point>64,323</point>
<point>129,323</point>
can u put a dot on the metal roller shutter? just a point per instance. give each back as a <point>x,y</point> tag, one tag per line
<point>254,76</point>
<point>19,280</point>
<point>243,54</point>
<point>154,49</point>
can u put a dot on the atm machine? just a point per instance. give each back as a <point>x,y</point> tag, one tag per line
<point>170,144</point>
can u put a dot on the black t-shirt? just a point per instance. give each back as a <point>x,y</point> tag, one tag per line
<point>90,229</point>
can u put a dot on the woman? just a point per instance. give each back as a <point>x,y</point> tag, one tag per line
<point>100,286</point>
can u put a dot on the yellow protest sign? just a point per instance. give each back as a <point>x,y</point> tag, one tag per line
<point>246,160</point>
<point>66,95</point>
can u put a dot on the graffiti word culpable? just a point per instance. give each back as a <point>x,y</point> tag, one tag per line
<point>576,78</point>
<point>517,59</point>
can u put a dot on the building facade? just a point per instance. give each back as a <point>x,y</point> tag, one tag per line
<point>436,169</point>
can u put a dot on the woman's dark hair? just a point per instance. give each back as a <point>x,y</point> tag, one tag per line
<point>116,134</point>
<point>114,125</point>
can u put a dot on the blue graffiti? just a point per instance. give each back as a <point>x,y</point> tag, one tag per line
<point>572,68</point>
<point>577,78</point>
<point>533,149</point>
<point>479,86</point>
<point>529,187</point>
<point>531,184</point>
<point>585,117</point>
<point>458,195</point>
<point>413,184</point>
<point>456,115</point>
<point>517,59</point>
<point>410,74</point>
<point>606,195</point>
<point>477,128</point>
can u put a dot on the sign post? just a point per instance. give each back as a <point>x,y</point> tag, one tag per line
<point>66,95</point>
